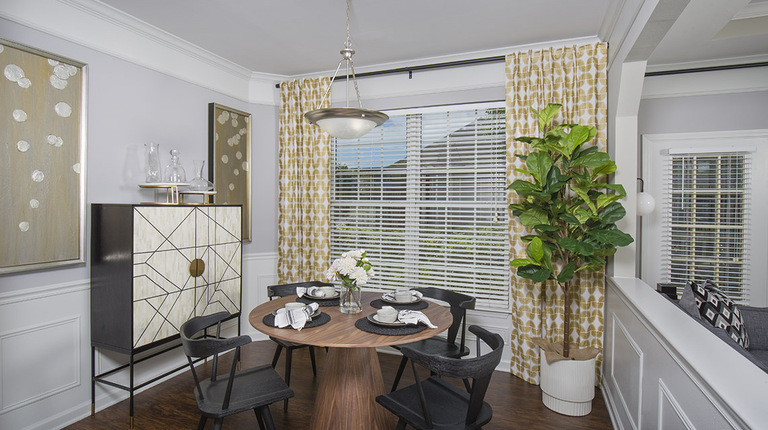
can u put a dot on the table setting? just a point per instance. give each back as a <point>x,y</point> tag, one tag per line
<point>323,296</point>
<point>407,299</point>
<point>397,314</point>
<point>297,315</point>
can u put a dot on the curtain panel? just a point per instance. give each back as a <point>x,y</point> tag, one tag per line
<point>575,77</point>
<point>303,184</point>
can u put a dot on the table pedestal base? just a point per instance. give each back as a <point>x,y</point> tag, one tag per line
<point>346,399</point>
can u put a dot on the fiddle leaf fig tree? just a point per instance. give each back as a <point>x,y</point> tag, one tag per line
<point>569,206</point>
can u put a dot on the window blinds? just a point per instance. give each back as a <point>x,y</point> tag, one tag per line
<point>425,195</point>
<point>706,230</point>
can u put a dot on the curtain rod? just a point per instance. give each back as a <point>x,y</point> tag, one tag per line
<point>707,69</point>
<point>432,66</point>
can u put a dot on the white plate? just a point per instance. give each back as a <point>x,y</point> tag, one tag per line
<point>334,296</point>
<point>314,315</point>
<point>375,319</point>
<point>413,300</point>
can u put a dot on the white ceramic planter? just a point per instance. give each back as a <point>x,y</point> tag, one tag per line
<point>568,386</point>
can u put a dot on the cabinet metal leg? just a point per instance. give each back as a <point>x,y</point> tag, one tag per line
<point>130,391</point>
<point>93,380</point>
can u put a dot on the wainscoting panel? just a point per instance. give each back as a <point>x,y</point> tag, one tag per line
<point>627,371</point>
<point>26,353</point>
<point>671,415</point>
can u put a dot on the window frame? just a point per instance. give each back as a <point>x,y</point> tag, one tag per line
<point>413,189</point>
<point>655,147</point>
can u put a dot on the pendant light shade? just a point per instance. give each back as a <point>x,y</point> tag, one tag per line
<point>346,122</point>
<point>645,201</point>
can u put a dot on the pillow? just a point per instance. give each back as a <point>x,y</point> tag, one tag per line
<point>716,308</point>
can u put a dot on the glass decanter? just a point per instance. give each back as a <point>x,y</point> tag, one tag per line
<point>174,173</point>
<point>198,183</point>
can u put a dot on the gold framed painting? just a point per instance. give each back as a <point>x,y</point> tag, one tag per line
<point>42,166</point>
<point>229,159</point>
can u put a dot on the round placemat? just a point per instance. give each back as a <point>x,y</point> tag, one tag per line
<point>321,319</point>
<point>329,302</point>
<point>421,304</point>
<point>365,325</point>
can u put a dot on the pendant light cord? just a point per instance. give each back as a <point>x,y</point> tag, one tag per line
<point>346,55</point>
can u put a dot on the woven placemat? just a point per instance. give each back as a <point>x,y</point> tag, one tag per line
<point>365,325</point>
<point>329,302</point>
<point>421,304</point>
<point>319,320</point>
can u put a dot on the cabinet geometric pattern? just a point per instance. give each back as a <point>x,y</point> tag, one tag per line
<point>166,242</point>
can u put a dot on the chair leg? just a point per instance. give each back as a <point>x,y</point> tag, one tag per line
<point>467,386</point>
<point>399,372</point>
<point>269,424</point>
<point>217,423</point>
<point>277,355</point>
<point>288,359</point>
<point>201,423</point>
<point>401,424</point>
<point>312,358</point>
<point>259,418</point>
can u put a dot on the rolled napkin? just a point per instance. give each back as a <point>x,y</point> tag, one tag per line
<point>414,317</point>
<point>295,318</point>
<point>390,295</point>
<point>311,291</point>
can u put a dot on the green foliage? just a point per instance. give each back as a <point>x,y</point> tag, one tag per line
<point>566,202</point>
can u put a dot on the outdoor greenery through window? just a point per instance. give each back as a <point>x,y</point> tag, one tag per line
<point>425,195</point>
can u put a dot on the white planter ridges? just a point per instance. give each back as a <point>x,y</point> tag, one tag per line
<point>568,386</point>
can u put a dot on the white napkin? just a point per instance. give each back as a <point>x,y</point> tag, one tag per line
<point>296,318</point>
<point>390,295</point>
<point>414,317</point>
<point>311,291</point>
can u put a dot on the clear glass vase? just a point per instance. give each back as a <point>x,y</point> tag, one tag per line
<point>152,160</point>
<point>350,301</point>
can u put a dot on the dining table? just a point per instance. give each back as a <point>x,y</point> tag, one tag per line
<point>351,378</point>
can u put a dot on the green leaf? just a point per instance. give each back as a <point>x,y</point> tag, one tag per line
<point>584,194</point>
<point>538,164</point>
<point>567,273</point>
<point>523,187</point>
<point>617,188</point>
<point>545,228</point>
<point>582,215</point>
<point>578,135</point>
<point>535,250</point>
<point>577,246</point>
<point>612,213</point>
<point>605,199</point>
<point>534,273</point>
<point>570,219</point>
<point>517,262</point>
<point>533,217</point>
<point>592,160</point>
<point>546,115</point>
<point>611,237</point>
<point>605,169</point>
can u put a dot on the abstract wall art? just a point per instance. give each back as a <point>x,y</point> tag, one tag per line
<point>42,165</point>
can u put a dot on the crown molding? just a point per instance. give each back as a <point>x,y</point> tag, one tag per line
<point>706,83</point>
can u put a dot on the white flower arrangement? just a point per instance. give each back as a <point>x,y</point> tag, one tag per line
<point>353,269</point>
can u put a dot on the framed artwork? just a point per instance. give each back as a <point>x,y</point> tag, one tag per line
<point>229,159</point>
<point>42,165</point>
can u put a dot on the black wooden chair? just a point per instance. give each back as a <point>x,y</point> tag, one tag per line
<point>233,392</point>
<point>284,290</point>
<point>435,403</point>
<point>445,347</point>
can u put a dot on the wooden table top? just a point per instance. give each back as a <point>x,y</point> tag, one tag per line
<point>341,332</point>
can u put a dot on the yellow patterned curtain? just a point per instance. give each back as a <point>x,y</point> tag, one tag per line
<point>304,184</point>
<point>575,77</point>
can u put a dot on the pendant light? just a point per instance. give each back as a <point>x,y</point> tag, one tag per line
<point>347,122</point>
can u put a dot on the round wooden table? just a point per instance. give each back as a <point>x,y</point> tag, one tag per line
<point>351,378</point>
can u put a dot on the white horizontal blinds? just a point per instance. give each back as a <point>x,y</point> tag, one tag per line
<point>443,203</point>
<point>707,228</point>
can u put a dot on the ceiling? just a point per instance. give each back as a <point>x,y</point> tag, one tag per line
<point>300,37</point>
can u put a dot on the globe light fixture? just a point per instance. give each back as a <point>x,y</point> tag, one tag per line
<point>645,202</point>
<point>346,122</point>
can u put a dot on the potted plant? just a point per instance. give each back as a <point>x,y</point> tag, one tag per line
<point>572,212</point>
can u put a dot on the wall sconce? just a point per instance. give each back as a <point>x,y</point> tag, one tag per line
<point>645,202</point>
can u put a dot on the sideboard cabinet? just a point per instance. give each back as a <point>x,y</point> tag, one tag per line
<point>153,267</point>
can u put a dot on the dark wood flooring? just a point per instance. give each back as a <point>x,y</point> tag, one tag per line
<point>171,405</point>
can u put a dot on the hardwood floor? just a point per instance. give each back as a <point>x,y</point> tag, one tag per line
<point>171,404</point>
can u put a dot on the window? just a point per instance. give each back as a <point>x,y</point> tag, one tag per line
<point>706,225</point>
<point>425,195</point>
